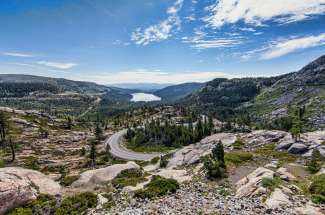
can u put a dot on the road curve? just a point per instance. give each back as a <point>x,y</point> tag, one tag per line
<point>118,150</point>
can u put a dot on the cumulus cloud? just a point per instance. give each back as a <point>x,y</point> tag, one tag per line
<point>284,47</point>
<point>57,65</point>
<point>162,30</point>
<point>256,12</point>
<point>17,54</point>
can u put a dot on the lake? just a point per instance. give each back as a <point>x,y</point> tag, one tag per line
<point>144,97</point>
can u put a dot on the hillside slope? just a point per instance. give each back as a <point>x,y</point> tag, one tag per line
<point>175,92</point>
<point>303,88</point>
<point>266,98</point>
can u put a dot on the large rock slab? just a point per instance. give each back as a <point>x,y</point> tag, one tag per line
<point>19,186</point>
<point>101,176</point>
<point>298,148</point>
<point>191,154</point>
<point>277,199</point>
<point>249,184</point>
<point>260,138</point>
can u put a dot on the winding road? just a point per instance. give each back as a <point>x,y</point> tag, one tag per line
<point>118,150</point>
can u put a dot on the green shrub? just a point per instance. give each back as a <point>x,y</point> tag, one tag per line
<point>154,160</point>
<point>314,165</point>
<point>158,186</point>
<point>164,160</point>
<point>238,157</point>
<point>2,161</point>
<point>271,183</point>
<point>31,162</point>
<point>44,204</point>
<point>77,204</point>
<point>68,180</point>
<point>214,168</point>
<point>128,177</point>
<point>110,203</point>
<point>318,199</point>
<point>22,211</point>
<point>238,144</point>
<point>317,189</point>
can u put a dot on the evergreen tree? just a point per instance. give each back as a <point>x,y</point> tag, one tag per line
<point>218,153</point>
<point>199,130</point>
<point>314,164</point>
<point>93,153</point>
<point>98,132</point>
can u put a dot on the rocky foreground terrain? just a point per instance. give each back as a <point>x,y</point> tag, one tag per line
<point>269,154</point>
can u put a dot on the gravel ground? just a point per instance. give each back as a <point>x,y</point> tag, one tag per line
<point>200,198</point>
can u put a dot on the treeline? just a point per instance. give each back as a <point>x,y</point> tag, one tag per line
<point>169,134</point>
<point>24,89</point>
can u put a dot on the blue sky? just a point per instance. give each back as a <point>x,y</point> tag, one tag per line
<point>159,41</point>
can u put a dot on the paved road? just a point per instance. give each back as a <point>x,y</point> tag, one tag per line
<point>120,151</point>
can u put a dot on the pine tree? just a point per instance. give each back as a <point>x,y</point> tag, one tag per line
<point>218,153</point>
<point>93,153</point>
<point>98,132</point>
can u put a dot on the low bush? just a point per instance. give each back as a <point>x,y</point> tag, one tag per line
<point>239,144</point>
<point>128,177</point>
<point>214,168</point>
<point>158,186</point>
<point>31,162</point>
<point>271,183</point>
<point>164,160</point>
<point>154,160</point>
<point>317,189</point>
<point>110,200</point>
<point>47,204</point>
<point>77,204</point>
<point>68,180</point>
<point>238,157</point>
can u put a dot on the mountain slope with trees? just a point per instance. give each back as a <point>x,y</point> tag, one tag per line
<point>175,92</point>
<point>266,99</point>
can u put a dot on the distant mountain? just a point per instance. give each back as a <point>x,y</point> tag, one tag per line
<point>60,84</point>
<point>266,98</point>
<point>303,88</point>
<point>223,96</point>
<point>175,92</point>
<point>144,87</point>
<point>23,85</point>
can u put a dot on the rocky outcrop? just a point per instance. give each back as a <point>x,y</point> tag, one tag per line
<point>277,199</point>
<point>297,148</point>
<point>191,154</point>
<point>92,178</point>
<point>284,174</point>
<point>260,138</point>
<point>19,186</point>
<point>249,185</point>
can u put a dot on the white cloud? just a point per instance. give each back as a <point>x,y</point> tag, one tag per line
<point>201,40</point>
<point>17,54</point>
<point>256,12</point>
<point>156,77</point>
<point>161,31</point>
<point>57,65</point>
<point>215,43</point>
<point>284,47</point>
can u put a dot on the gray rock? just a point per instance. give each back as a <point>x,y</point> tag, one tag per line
<point>19,186</point>
<point>101,176</point>
<point>298,148</point>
